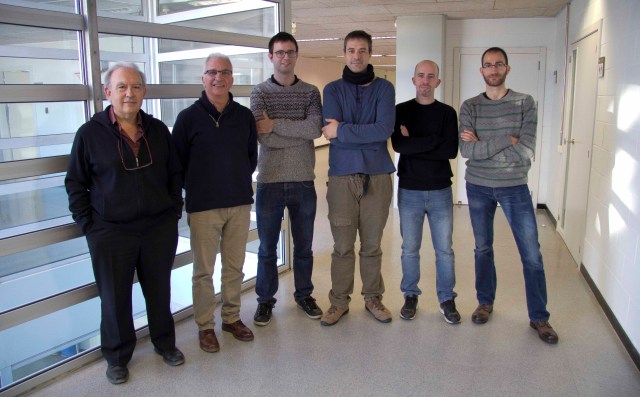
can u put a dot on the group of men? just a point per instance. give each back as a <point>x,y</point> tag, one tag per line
<point>127,172</point>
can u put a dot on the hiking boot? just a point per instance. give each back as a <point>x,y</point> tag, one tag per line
<point>408,311</point>
<point>545,331</point>
<point>263,314</point>
<point>310,307</point>
<point>481,314</point>
<point>449,312</point>
<point>374,306</point>
<point>332,315</point>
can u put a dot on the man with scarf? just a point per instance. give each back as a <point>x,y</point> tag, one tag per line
<point>359,112</point>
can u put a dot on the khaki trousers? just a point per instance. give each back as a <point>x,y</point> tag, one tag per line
<point>358,203</point>
<point>223,230</point>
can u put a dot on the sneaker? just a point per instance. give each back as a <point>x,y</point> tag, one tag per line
<point>310,307</point>
<point>263,314</point>
<point>545,331</point>
<point>481,314</point>
<point>332,315</point>
<point>408,311</point>
<point>449,312</point>
<point>374,306</point>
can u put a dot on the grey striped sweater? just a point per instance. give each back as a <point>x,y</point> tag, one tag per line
<point>288,153</point>
<point>493,161</point>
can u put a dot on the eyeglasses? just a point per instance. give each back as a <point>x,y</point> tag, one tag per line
<point>223,73</point>
<point>290,53</point>
<point>497,65</point>
<point>140,161</point>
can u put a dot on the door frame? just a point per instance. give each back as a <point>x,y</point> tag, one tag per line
<point>566,132</point>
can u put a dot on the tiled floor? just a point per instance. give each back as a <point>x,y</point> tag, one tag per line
<point>295,356</point>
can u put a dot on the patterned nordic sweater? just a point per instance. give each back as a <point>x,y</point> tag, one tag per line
<point>287,154</point>
<point>493,160</point>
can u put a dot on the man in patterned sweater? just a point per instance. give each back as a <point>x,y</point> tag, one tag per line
<point>498,136</point>
<point>289,117</point>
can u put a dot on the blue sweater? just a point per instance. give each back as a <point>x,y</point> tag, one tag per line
<point>367,116</point>
<point>218,162</point>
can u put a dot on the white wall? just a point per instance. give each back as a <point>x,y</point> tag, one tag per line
<point>612,242</point>
<point>517,32</point>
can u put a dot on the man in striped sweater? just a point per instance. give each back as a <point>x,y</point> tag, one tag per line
<point>498,136</point>
<point>289,117</point>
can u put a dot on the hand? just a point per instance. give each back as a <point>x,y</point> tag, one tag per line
<point>514,139</point>
<point>404,131</point>
<point>468,136</point>
<point>330,130</point>
<point>265,125</point>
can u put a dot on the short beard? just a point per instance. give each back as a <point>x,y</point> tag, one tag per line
<point>496,84</point>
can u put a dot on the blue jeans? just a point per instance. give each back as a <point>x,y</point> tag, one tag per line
<point>518,208</point>
<point>271,199</point>
<point>438,206</point>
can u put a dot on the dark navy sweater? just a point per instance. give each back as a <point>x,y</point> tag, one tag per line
<point>218,161</point>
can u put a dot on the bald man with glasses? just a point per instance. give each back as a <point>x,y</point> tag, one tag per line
<point>124,186</point>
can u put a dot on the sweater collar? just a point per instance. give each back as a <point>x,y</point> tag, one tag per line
<point>274,81</point>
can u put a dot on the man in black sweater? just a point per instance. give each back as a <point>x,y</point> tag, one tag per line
<point>124,187</point>
<point>217,145</point>
<point>426,136</point>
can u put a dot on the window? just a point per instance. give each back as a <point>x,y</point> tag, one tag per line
<point>47,290</point>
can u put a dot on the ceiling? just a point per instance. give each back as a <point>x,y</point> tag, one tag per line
<point>321,19</point>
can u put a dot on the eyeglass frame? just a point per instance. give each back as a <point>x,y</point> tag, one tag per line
<point>281,53</point>
<point>136,157</point>
<point>497,65</point>
<point>223,72</point>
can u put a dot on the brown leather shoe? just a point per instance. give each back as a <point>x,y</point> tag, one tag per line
<point>208,341</point>
<point>239,331</point>
<point>481,314</point>
<point>545,331</point>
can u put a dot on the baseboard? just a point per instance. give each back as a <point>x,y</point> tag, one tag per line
<point>552,219</point>
<point>626,342</point>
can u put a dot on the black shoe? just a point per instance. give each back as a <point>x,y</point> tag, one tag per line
<point>545,331</point>
<point>449,312</point>
<point>263,314</point>
<point>173,357</point>
<point>408,311</point>
<point>117,374</point>
<point>309,306</point>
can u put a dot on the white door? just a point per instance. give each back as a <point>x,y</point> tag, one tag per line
<point>526,76</point>
<point>577,142</point>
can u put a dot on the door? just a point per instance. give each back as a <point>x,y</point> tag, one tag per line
<point>577,141</point>
<point>526,76</point>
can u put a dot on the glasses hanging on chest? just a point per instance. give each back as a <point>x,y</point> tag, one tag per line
<point>131,161</point>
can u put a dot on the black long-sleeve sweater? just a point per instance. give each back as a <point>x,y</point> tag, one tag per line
<point>218,153</point>
<point>100,189</point>
<point>432,141</point>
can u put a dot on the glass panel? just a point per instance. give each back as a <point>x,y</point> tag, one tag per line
<point>58,5</point>
<point>37,130</point>
<point>42,272</point>
<point>28,36</point>
<point>121,44</point>
<point>249,64</point>
<point>256,18</point>
<point>47,341</point>
<point>39,56</point>
<point>120,8</point>
<point>31,204</point>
